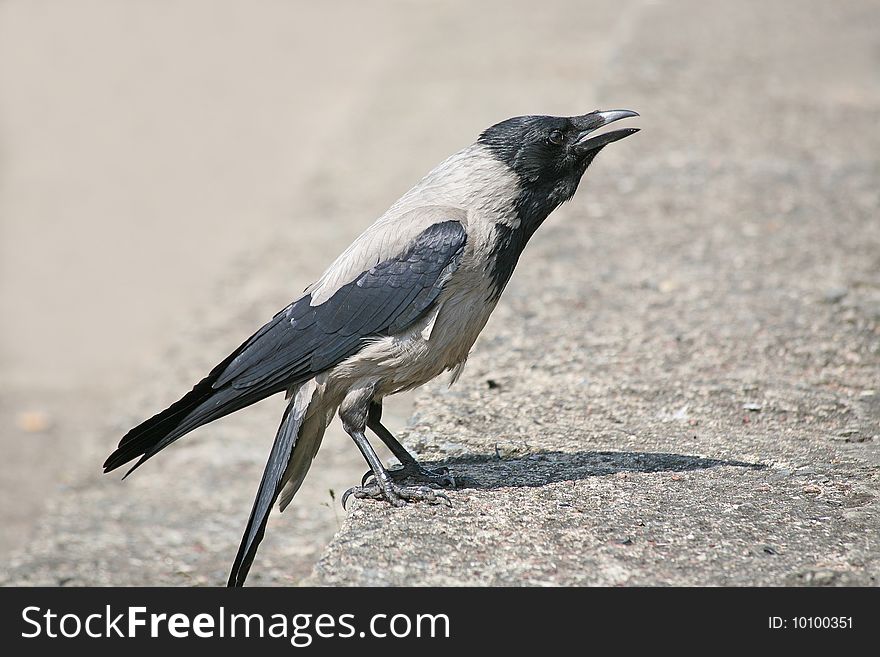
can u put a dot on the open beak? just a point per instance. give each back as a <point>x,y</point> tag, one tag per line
<point>589,123</point>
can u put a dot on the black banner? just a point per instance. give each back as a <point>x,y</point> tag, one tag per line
<point>329,620</point>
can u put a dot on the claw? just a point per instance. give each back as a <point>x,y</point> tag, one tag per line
<point>364,492</point>
<point>367,475</point>
<point>345,497</point>
<point>397,495</point>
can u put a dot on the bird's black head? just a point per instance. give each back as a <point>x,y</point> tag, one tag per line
<point>550,154</point>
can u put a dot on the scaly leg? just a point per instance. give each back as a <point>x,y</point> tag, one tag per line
<point>383,487</point>
<point>412,470</point>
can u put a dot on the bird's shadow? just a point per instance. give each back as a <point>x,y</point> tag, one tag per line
<point>490,471</point>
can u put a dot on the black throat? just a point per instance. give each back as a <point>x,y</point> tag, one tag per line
<point>535,202</point>
<point>547,178</point>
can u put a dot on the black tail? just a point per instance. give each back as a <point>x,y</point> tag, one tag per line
<point>203,404</point>
<point>269,362</point>
<point>270,487</point>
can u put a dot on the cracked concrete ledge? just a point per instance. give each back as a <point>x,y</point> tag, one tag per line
<point>680,385</point>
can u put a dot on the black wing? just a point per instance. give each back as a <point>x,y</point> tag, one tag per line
<point>303,340</point>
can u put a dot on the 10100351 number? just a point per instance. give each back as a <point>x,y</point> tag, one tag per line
<point>822,622</point>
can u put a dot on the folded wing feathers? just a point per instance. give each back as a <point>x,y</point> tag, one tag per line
<point>304,339</point>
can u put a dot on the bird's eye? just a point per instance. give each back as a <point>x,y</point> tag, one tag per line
<point>556,137</point>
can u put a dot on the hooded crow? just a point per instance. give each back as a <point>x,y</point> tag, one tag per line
<point>403,304</point>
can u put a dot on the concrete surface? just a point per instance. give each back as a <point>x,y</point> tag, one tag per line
<point>682,385</point>
<point>682,382</point>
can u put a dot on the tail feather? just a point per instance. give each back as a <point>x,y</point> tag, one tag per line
<point>229,387</point>
<point>298,438</point>
<point>203,404</point>
<point>292,452</point>
<point>267,493</point>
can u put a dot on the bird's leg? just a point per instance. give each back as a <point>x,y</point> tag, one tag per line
<point>383,487</point>
<point>412,470</point>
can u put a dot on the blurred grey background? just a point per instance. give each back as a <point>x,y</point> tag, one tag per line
<point>173,173</point>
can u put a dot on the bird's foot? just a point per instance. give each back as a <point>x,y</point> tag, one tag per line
<point>396,495</point>
<point>415,473</point>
